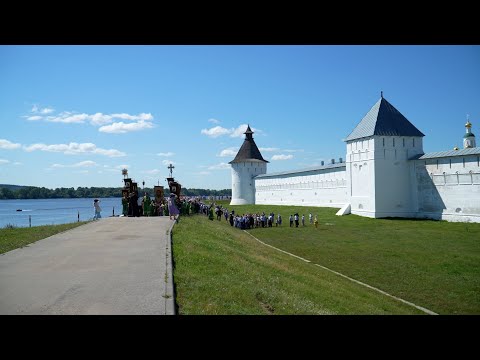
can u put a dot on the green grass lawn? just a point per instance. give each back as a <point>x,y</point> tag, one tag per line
<point>434,264</point>
<point>19,237</point>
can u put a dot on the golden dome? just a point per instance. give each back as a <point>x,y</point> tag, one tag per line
<point>455,148</point>
<point>468,124</point>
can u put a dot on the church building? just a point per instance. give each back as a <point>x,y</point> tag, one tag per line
<point>386,173</point>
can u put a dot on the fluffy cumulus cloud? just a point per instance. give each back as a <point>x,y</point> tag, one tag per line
<point>122,128</point>
<point>136,122</point>
<point>215,131</point>
<point>229,152</point>
<point>38,110</point>
<point>86,163</point>
<point>168,162</point>
<point>239,131</point>
<point>34,118</point>
<point>282,157</point>
<point>232,132</point>
<point>221,166</point>
<point>8,145</point>
<point>167,154</point>
<point>74,149</point>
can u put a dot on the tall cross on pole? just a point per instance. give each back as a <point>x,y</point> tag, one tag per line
<point>171,167</point>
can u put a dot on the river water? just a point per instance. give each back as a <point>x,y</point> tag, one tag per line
<point>54,211</point>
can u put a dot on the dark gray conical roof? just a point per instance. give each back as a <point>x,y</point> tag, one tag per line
<point>249,150</point>
<point>384,119</point>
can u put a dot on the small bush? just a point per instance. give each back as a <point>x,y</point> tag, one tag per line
<point>10,226</point>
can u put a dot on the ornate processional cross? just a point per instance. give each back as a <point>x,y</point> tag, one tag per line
<point>171,167</point>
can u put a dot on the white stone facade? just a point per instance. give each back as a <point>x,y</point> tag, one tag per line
<point>448,188</point>
<point>383,176</point>
<point>323,187</point>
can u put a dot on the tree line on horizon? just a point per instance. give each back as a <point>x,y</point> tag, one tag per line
<point>33,192</point>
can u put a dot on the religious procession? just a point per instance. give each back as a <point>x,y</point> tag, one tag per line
<point>175,204</point>
<point>255,220</point>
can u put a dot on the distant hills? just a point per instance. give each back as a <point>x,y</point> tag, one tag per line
<point>12,187</point>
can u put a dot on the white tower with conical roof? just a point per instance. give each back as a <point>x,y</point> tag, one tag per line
<point>247,164</point>
<point>469,137</point>
<point>378,171</point>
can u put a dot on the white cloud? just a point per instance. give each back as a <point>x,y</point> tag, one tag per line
<point>122,128</point>
<point>282,157</point>
<point>86,163</point>
<point>3,161</point>
<point>221,166</point>
<point>68,118</point>
<point>102,119</point>
<point>47,110</point>
<point>34,118</point>
<point>298,150</point>
<point>214,121</point>
<point>81,172</point>
<point>268,149</point>
<point>8,145</point>
<point>201,173</point>
<point>238,132</point>
<point>138,122</point>
<point>167,162</point>
<point>229,152</point>
<point>233,132</point>
<point>36,109</point>
<point>215,131</point>
<point>167,154</point>
<point>74,149</point>
<point>17,163</point>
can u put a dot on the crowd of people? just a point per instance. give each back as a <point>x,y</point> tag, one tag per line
<point>185,205</point>
<point>254,220</point>
<point>171,206</point>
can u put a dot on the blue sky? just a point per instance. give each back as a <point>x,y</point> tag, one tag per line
<point>75,115</point>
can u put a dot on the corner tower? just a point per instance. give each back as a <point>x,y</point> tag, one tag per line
<point>247,164</point>
<point>378,166</point>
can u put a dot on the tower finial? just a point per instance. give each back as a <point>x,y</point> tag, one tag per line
<point>381,94</point>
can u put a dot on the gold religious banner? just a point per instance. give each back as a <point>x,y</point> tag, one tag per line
<point>158,191</point>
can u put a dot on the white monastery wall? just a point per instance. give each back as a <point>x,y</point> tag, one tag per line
<point>322,187</point>
<point>449,188</point>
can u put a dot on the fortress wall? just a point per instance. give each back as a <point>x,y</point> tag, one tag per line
<point>322,187</point>
<point>449,188</point>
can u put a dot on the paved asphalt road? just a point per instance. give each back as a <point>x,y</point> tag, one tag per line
<point>115,265</point>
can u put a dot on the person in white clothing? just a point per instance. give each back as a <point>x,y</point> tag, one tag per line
<point>98,209</point>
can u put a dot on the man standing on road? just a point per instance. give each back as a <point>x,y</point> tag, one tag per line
<point>98,209</point>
